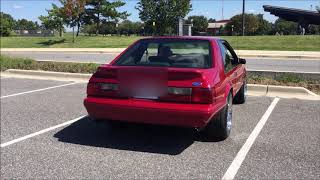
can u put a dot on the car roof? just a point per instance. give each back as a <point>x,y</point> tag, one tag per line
<point>209,38</point>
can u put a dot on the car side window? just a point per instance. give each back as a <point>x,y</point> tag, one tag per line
<point>152,50</point>
<point>228,56</point>
<point>226,60</point>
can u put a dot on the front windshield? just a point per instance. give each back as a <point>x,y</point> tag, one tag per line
<point>169,53</point>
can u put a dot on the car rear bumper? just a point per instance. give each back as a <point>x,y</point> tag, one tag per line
<point>152,112</point>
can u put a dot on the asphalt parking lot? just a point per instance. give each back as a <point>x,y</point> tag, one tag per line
<point>45,135</point>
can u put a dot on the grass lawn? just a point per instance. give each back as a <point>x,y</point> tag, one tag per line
<point>278,43</point>
<point>66,42</point>
<point>281,43</point>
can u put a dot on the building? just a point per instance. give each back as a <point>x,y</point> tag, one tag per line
<point>215,28</point>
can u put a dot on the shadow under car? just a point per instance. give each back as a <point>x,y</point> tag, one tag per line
<point>128,136</point>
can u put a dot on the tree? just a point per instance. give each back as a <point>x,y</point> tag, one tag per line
<point>54,20</point>
<point>314,29</point>
<point>23,24</point>
<point>88,29</point>
<point>128,28</point>
<point>251,24</point>
<point>98,10</point>
<point>200,24</point>
<point>318,8</point>
<point>7,23</point>
<point>211,20</point>
<point>107,27</point>
<point>164,14</point>
<point>286,27</point>
<point>74,11</point>
<point>265,27</point>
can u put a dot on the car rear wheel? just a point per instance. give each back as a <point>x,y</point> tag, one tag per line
<point>219,128</point>
<point>241,96</point>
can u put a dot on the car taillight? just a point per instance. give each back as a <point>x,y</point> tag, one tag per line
<point>92,89</point>
<point>179,91</point>
<point>109,86</point>
<point>102,89</point>
<point>176,94</point>
<point>202,95</point>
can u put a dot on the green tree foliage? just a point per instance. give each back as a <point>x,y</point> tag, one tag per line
<point>211,20</point>
<point>128,28</point>
<point>99,10</point>
<point>200,24</point>
<point>265,27</point>
<point>108,28</point>
<point>314,29</point>
<point>285,27</point>
<point>251,24</point>
<point>7,23</point>
<point>54,20</point>
<point>165,14</point>
<point>23,24</point>
<point>74,11</point>
<point>88,29</point>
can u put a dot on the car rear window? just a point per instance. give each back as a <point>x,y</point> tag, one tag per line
<point>169,53</point>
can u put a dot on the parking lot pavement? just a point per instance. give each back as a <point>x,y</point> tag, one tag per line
<point>13,86</point>
<point>85,149</point>
<point>288,146</point>
<point>27,113</point>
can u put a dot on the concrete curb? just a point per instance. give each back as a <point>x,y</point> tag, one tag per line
<point>306,55</point>
<point>253,89</point>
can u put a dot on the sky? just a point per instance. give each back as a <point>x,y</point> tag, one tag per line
<point>32,9</point>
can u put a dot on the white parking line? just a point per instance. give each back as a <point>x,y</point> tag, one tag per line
<point>27,92</point>
<point>236,163</point>
<point>40,132</point>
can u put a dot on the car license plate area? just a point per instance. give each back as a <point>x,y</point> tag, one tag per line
<point>142,84</point>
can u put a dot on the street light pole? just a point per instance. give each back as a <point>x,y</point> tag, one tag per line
<point>243,18</point>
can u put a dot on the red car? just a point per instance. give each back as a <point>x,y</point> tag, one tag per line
<point>180,81</point>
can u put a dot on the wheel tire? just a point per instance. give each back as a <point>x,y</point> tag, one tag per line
<point>241,96</point>
<point>219,128</point>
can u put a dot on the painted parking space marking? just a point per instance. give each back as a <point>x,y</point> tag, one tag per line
<point>40,132</point>
<point>236,163</point>
<point>37,90</point>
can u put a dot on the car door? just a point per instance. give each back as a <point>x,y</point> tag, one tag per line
<point>231,66</point>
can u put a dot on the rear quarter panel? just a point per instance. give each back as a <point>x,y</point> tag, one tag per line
<point>221,82</point>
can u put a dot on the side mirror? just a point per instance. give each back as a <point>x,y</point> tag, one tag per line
<point>242,61</point>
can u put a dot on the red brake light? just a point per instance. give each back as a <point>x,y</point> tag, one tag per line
<point>102,89</point>
<point>202,95</point>
<point>92,89</point>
